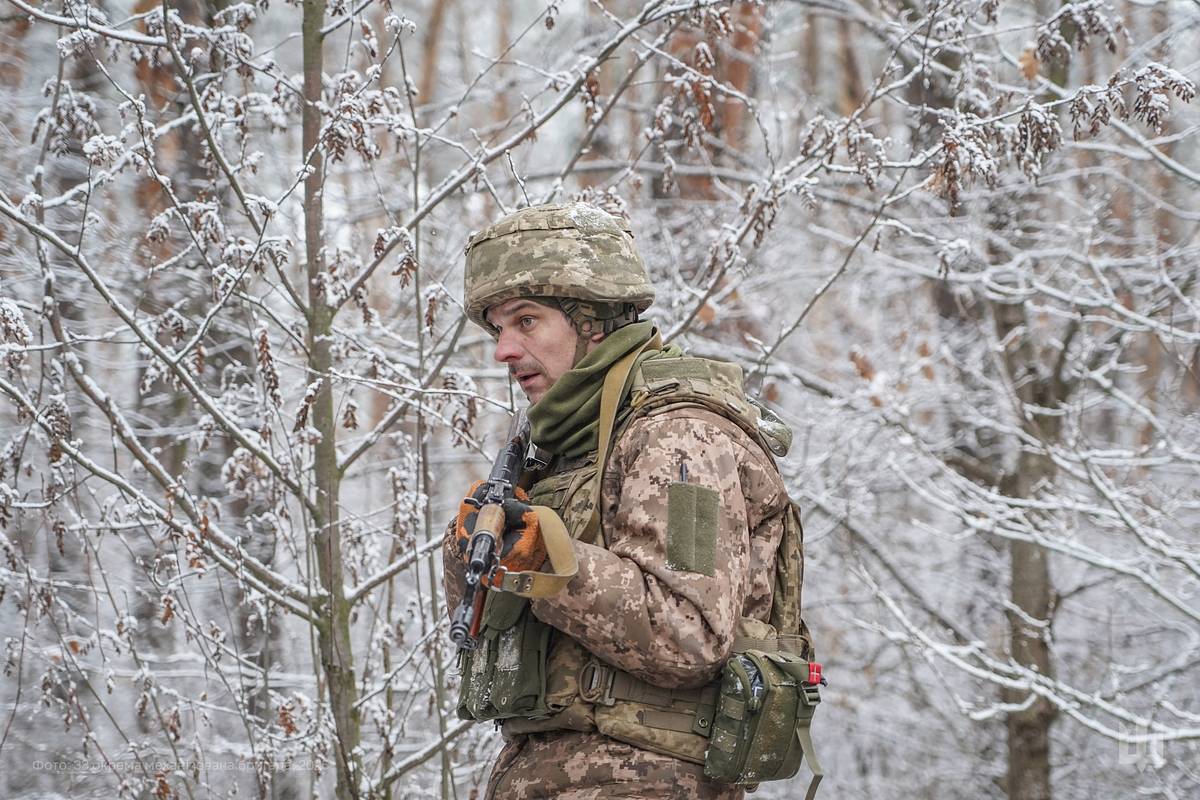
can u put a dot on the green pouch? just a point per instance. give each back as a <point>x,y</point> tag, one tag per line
<point>519,671</point>
<point>506,676</point>
<point>473,693</point>
<point>761,726</point>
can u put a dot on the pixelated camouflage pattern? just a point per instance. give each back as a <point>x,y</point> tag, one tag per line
<point>569,250</point>
<point>669,627</point>
<point>570,765</point>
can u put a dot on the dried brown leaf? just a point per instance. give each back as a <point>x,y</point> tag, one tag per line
<point>1030,64</point>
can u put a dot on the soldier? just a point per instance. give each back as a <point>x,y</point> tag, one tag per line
<point>687,544</point>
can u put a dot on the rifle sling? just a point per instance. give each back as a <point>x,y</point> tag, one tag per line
<point>610,402</point>
<point>561,555</point>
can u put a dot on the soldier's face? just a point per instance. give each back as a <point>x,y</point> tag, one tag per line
<point>536,342</point>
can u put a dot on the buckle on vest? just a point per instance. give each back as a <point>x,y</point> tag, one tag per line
<point>596,682</point>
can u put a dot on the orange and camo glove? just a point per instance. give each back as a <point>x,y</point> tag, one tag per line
<point>521,545</point>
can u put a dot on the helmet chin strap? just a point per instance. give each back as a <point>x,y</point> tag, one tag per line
<point>585,327</point>
<point>581,349</point>
<point>587,320</point>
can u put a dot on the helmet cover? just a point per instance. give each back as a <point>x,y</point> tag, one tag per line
<point>568,250</point>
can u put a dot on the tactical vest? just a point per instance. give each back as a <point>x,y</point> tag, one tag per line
<point>533,678</point>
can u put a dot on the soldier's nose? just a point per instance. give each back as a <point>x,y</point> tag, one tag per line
<point>506,349</point>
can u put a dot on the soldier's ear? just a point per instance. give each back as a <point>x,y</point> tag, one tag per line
<point>596,338</point>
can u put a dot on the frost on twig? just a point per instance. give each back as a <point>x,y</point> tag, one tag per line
<point>949,244</point>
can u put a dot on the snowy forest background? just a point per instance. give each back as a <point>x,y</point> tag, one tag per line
<point>955,243</point>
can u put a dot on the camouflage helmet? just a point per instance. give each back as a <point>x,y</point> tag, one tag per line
<point>570,251</point>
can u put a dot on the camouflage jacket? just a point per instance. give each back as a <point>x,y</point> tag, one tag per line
<point>636,603</point>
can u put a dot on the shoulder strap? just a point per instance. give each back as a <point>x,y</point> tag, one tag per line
<point>610,402</point>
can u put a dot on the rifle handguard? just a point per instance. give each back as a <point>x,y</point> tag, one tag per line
<point>489,527</point>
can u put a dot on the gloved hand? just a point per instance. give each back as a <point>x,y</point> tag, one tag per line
<point>521,545</point>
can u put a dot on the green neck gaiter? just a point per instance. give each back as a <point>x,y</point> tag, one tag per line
<point>566,420</point>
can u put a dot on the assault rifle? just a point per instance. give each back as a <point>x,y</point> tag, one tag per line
<point>488,533</point>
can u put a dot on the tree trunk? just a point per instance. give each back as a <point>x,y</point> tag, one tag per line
<point>850,91</point>
<point>740,56</point>
<point>337,658</point>
<point>1030,588</point>
<point>430,48</point>
<point>1031,591</point>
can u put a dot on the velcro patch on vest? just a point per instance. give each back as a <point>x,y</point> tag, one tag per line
<point>722,374</point>
<point>691,528</point>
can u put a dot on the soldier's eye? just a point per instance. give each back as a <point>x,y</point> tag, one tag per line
<point>526,321</point>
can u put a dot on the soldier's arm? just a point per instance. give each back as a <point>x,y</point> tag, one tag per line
<point>663,600</point>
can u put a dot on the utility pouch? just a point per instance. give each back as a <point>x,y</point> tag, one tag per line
<point>760,730</point>
<point>506,676</point>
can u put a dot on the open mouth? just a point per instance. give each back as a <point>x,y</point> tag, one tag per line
<point>524,378</point>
